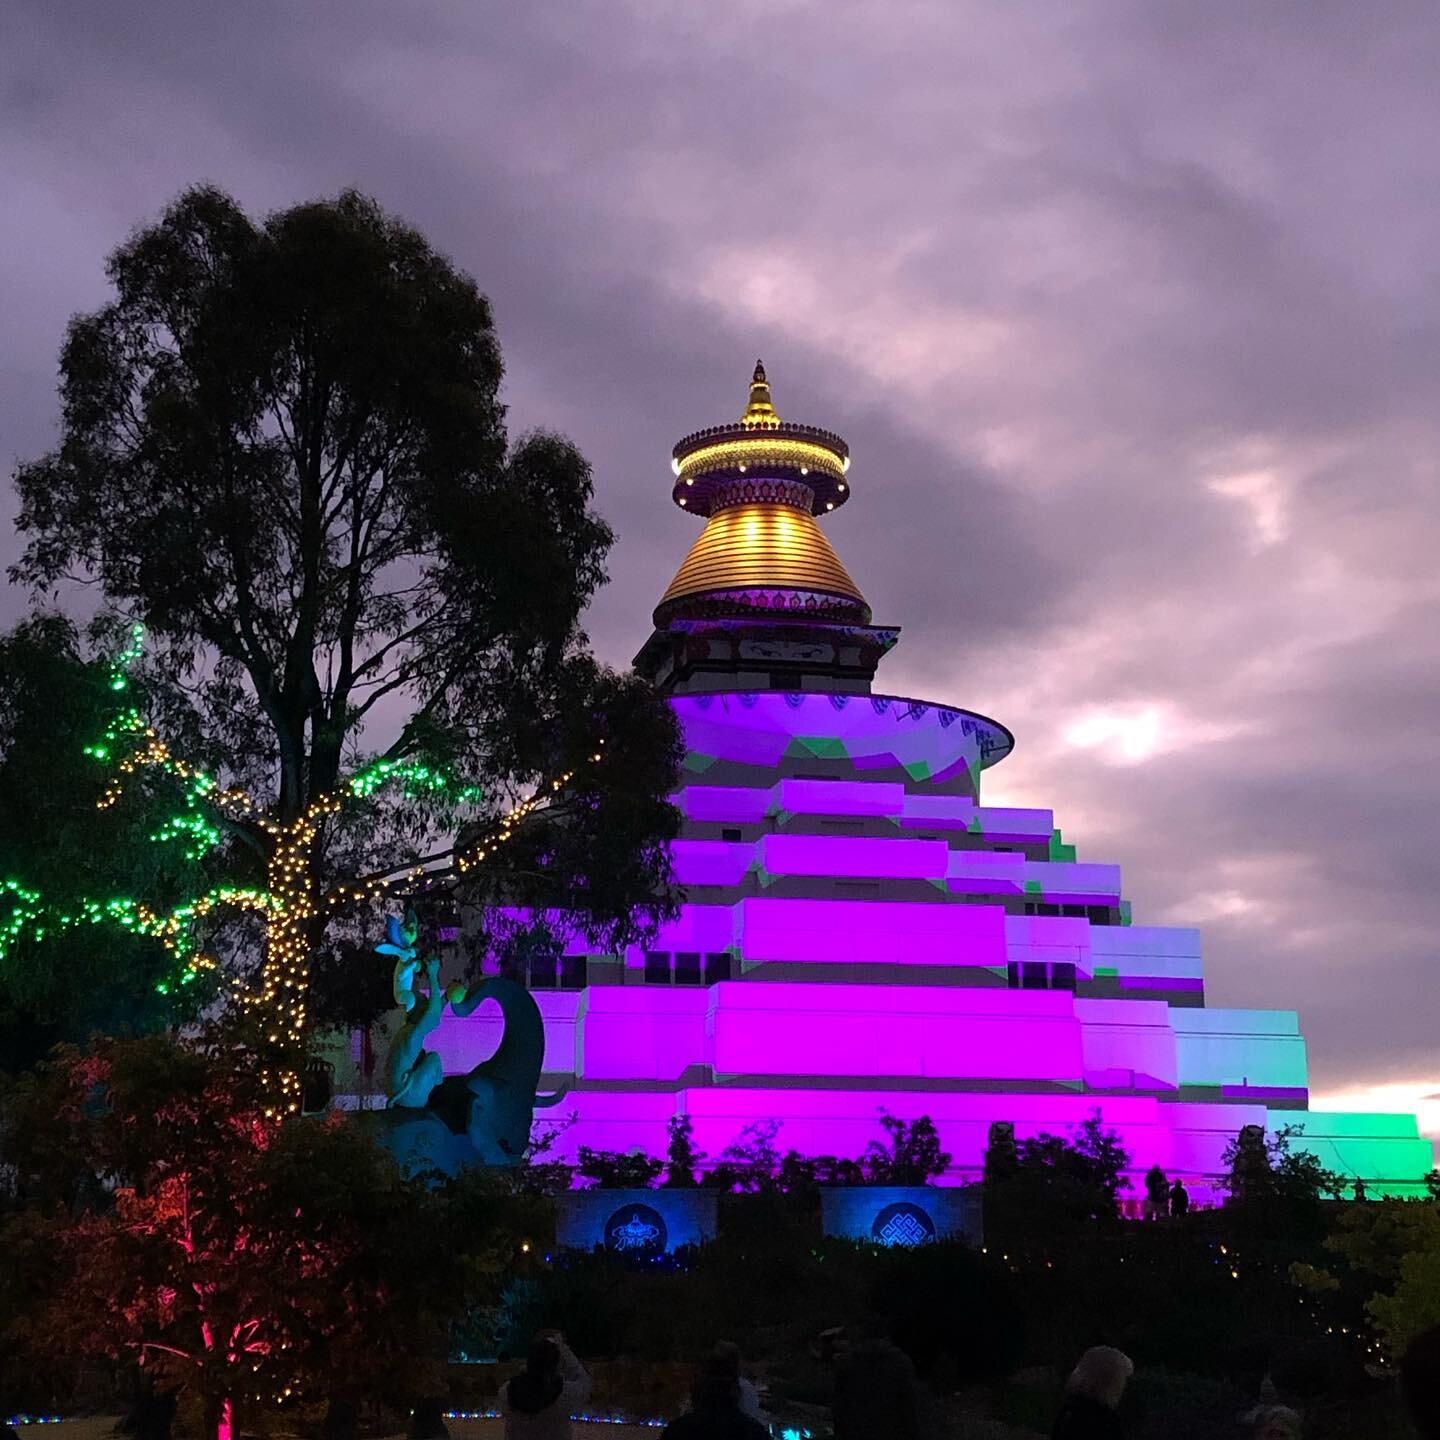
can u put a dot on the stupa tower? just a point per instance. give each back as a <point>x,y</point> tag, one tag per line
<point>762,601</point>
<point>859,934</point>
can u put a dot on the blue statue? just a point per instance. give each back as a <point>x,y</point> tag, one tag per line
<point>411,1071</point>
<point>493,1106</point>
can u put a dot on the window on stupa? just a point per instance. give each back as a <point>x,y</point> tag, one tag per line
<point>718,967</point>
<point>1040,975</point>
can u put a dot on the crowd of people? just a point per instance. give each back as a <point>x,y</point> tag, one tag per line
<point>876,1395</point>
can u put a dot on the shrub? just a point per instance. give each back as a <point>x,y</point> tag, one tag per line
<point>946,1302</point>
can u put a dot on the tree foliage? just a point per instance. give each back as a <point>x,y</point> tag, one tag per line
<point>751,1161</point>
<point>59,981</point>
<point>617,1170</point>
<point>1084,1174</point>
<point>1413,1306</point>
<point>283,445</point>
<point>1274,1212</point>
<point>1047,1184</point>
<point>909,1155</point>
<point>682,1156</point>
<point>1262,1166</point>
<point>246,1260</point>
<point>1383,1266</point>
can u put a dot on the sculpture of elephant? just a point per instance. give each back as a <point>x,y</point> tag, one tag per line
<point>431,1117</point>
<point>494,1104</point>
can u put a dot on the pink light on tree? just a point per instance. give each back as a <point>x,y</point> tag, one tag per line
<point>248,1261</point>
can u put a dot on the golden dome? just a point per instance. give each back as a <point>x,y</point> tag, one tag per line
<point>762,546</point>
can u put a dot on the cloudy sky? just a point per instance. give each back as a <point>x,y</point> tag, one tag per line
<point>1127,309</point>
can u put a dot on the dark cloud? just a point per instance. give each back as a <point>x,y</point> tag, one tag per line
<point>1127,310</point>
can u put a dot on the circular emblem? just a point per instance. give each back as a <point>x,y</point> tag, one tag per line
<point>636,1230</point>
<point>903,1223</point>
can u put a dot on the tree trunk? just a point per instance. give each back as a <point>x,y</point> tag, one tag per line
<point>279,1004</point>
<point>220,1419</point>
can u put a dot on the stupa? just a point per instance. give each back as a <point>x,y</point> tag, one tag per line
<point>861,934</point>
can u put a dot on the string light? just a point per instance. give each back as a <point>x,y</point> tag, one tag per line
<point>417,779</point>
<point>290,900</point>
<point>762,451</point>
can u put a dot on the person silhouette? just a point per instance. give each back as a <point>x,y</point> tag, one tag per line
<point>1157,1193</point>
<point>1092,1396</point>
<point>537,1402</point>
<point>717,1403</point>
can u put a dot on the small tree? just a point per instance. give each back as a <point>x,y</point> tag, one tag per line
<point>247,1260</point>
<point>1084,1174</point>
<point>682,1156</point>
<point>1413,1306</point>
<point>912,1157</point>
<point>802,1174</point>
<point>751,1162</point>
<point>1261,1167</point>
<point>1057,1183</point>
<point>1383,1268</point>
<point>612,1170</point>
<point>1274,1212</point>
<point>540,1175</point>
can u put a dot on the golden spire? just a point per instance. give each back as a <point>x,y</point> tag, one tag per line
<point>760,483</point>
<point>760,412</point>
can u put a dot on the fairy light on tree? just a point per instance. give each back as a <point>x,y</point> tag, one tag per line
<point>292,899</point>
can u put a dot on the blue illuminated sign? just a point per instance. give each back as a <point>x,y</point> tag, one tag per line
<point>903,1223</point>
<point>636,1229</point>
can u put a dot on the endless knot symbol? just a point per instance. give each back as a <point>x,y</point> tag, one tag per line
<point>905,1229</point>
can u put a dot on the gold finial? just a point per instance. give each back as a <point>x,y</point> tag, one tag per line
<point>760,411</point>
